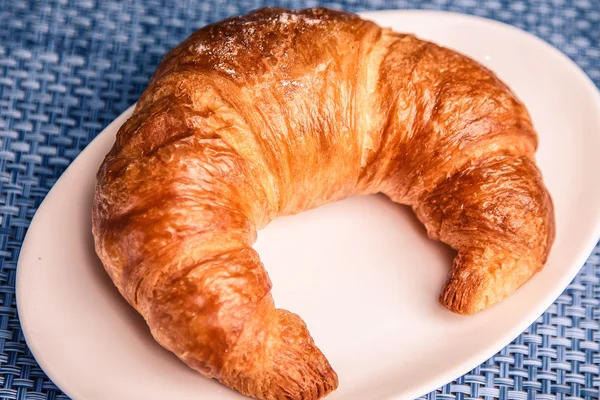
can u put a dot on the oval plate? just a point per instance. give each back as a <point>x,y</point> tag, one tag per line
<point>361,272</point>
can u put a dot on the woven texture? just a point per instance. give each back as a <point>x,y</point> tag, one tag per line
<point>68,68</point>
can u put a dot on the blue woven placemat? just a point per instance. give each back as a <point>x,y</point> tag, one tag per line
<point>68,68</point>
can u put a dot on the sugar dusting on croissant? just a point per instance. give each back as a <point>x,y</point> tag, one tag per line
<point>280,111</point>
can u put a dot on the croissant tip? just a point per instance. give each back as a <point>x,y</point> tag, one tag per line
<point>291,367</point>
<point>463,299</point>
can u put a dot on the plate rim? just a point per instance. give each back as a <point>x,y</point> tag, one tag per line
<point>468,363</point>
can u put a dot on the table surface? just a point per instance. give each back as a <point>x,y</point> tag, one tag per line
<point>68,68</point>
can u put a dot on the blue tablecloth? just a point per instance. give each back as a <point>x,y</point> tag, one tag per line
<point>68,68</point>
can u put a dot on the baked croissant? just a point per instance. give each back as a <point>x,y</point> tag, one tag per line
<point>280,111</point>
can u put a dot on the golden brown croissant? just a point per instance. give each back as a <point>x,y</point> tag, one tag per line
<point>280,111</point>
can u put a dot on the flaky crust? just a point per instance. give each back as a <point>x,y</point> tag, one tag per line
<point>280,111</point>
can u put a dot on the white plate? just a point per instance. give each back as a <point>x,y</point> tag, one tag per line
<point>361,272</point>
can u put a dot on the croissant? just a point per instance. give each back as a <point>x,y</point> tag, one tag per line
<point>280,111</point>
